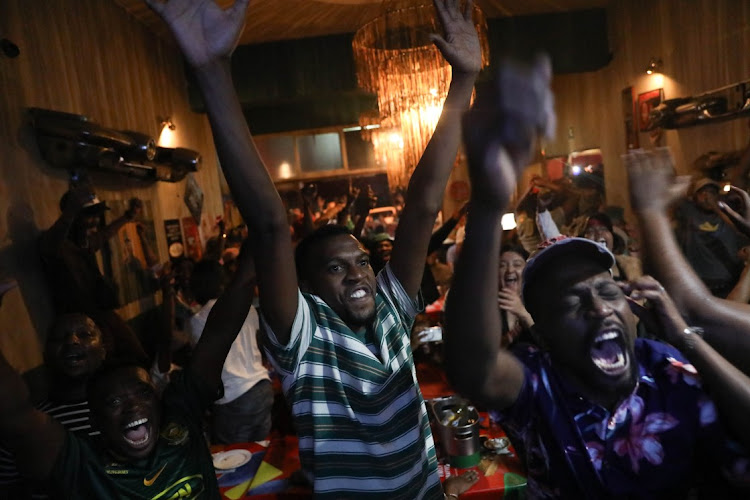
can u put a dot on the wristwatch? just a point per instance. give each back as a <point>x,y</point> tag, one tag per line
<point>690,333</point>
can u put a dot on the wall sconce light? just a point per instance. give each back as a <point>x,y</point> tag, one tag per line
<point>167,122</point>
<point>654,66</point>
<point>167,136</point>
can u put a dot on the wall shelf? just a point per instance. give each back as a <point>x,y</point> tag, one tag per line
<point>723,104</point>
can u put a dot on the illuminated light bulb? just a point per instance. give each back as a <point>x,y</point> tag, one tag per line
<point>285,170</point>
<point>508,221</point>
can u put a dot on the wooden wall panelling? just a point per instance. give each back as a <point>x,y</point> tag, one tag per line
<point>703,45</point>
<point>87,57</point>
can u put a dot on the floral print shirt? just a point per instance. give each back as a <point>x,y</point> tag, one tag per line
<point>651,446</point>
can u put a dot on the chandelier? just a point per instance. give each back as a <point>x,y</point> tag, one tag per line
<point>395,59</point>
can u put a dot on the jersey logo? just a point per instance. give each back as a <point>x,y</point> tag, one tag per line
<point>175,434</point>
<point>708,227</point>
<point>187,487</point>
<point>149,482</point>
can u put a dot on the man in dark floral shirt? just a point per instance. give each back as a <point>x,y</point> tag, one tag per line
<point>593,412</point>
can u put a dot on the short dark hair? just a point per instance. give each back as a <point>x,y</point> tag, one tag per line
<point>512,247</point>
<point>601,218</point>
<point>207,280</point>
<point>94,385</point>
<point>305,247</point>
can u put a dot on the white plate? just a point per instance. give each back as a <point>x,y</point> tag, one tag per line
<point>231,459</point>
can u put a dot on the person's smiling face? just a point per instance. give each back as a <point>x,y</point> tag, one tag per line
<point>341,275</point>
<point>74,347</point>
<point>510,271</point>
<point>595,231</point>
<point>126,410</point>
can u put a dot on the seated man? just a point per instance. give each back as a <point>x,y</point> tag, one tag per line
<point>342,347</point>
<point>73,352</point>
<point>148,448</point>
<point>243,414</point>
<point>595,413</point>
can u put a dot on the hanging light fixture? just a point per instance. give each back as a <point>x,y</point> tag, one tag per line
<point>396,60</point>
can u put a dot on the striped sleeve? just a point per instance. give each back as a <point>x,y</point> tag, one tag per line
<point>397,297</point>
<point>286,358</point>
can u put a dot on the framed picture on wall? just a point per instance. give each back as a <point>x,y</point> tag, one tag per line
<point>628,112</point>
<point>646,102</point>
<point>134,254</point>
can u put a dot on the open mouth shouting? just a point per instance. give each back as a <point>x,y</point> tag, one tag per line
<point>73,358</point>
<point>137,433</point>
<point>609,354</point>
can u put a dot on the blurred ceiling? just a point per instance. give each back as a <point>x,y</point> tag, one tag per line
<point>273,20</point>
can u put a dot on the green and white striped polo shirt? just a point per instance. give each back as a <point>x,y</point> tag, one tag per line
<point>362,423</point>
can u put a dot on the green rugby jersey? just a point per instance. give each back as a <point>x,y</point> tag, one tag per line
<point>180,466</point>
<point>362,423</point>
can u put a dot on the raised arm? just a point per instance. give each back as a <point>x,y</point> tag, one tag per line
<point>460,47</point>
<point>53,238</point>
<point>225,321</point>
<point>31,435</point>
<point>207,36</point>
<point>740,220</point>
<point>728,387</point>
<point>364,201</point>
<point>498,133</point>
<point>726,323</point>
<point>441,233</point>
<point>135,208</point>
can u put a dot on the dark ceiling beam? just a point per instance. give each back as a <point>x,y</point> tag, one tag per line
<point>311,83</point>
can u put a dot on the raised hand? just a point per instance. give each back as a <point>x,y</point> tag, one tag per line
<point>503,126</point>
<point>309,194</point>
<point>671,324</point>
<point>460,43</point>
<point>352,195</point>
<point>740,220</point>
<point>204,31</point>
<point>366,201</point>
<point>653,185</point>
<point>508,300</point>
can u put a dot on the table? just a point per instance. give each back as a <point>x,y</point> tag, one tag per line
<point>500,476</point>
<point>270,474</point>
<point>273,469</point>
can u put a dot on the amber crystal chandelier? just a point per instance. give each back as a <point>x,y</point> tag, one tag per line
<point>396,60</point>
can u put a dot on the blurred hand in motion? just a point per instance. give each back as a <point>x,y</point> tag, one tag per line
<point>741,218</point>
<point>204,31</point>
<point>503,126</point>
<point>653,185</point>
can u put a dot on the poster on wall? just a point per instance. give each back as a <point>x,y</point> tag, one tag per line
<point>134,257</point>
<point>175,245</point>
<point>194,198</point>
<point>193,243</point>
<point>646,102</point>
<point>631,130</point>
